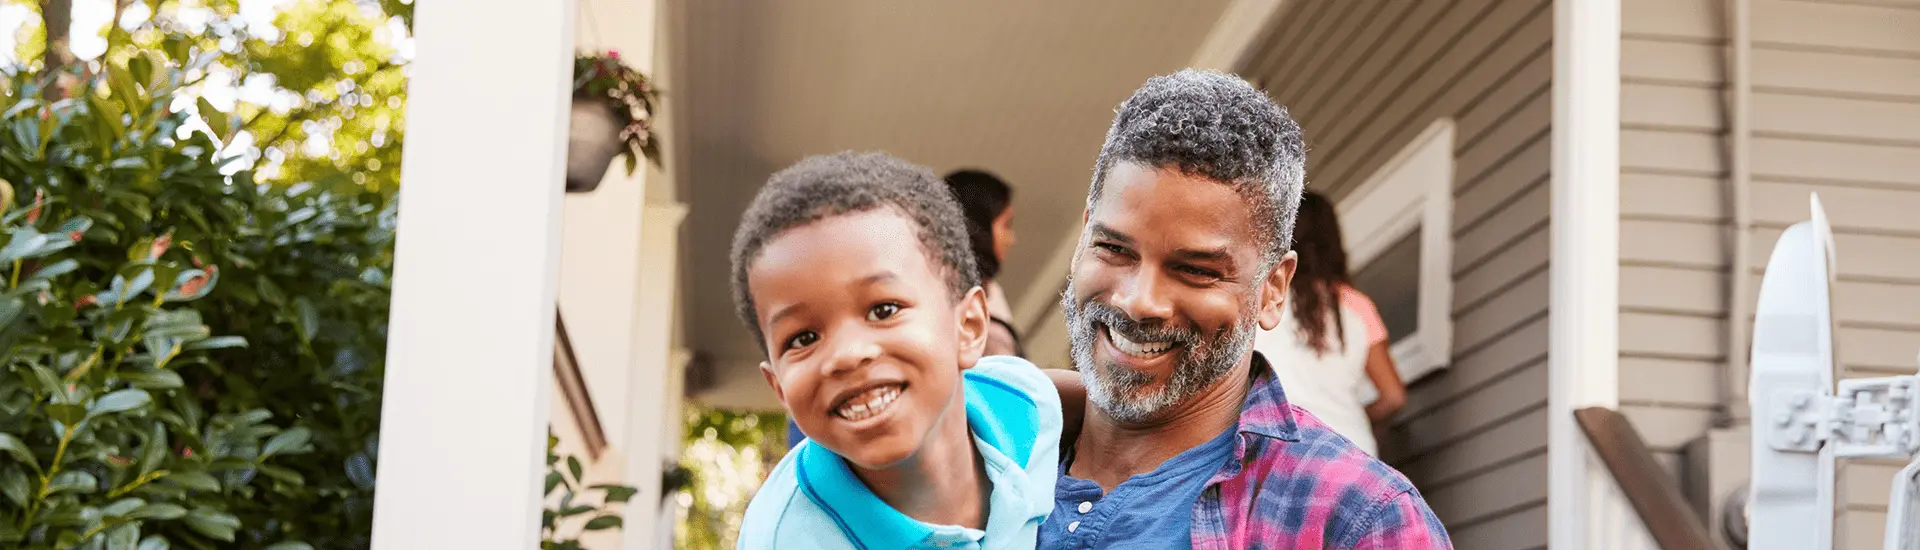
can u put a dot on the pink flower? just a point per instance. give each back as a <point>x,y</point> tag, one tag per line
<point>193,286</point>
<point>159,246</point>
<point>87,301</point>
<point>33,216</point>
<point>613,54</point>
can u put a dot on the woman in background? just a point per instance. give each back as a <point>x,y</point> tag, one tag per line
<point>987,203</point>
<point>1330,343</point>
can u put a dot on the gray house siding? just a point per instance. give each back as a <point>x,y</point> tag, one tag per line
<point>1364,79</point>
<point>1836,110</point>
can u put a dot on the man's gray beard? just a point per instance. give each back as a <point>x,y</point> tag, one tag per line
<point>1120,392</point>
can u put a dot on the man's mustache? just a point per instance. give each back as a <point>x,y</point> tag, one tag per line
<point>1089,312</point>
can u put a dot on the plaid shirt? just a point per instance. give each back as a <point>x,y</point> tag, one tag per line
<point>1294,483</point>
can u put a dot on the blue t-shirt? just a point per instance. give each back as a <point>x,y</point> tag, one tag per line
<point>813,501</point>
<point>1151,510</point>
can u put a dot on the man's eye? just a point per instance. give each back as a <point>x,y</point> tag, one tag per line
<point>1202,273</point>
<point>802,340</point>
<point>882,311</point>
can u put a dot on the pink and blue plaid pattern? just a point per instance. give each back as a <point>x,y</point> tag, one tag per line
<point>1297,484</point>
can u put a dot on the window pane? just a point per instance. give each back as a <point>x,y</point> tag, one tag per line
<point>1392,279</point>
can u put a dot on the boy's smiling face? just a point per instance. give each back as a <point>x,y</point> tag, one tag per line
<point>864,340</point>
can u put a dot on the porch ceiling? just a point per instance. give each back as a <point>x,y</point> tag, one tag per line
<point>1024,89</point>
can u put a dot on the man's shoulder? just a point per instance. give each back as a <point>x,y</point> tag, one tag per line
<point>1332,461</point>
<point>1320,486</point>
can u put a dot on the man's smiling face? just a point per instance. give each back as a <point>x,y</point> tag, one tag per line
<point>1167,290</point>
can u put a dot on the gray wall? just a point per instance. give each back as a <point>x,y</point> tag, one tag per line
<point>1836,110</point>
<point>1366,77</point>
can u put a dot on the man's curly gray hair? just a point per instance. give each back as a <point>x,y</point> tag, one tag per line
<point>1219,127</point>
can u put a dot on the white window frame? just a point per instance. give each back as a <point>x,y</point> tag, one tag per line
<point>1413,190</point>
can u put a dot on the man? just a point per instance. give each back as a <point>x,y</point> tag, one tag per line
<point>1187,440</point>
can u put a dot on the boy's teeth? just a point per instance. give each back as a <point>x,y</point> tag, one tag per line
<point>868,403</point>
<point>1137,349</point>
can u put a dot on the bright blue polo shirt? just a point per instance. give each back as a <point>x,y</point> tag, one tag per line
<point>812,499</point>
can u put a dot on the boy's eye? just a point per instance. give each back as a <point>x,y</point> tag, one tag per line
<point>882,311</point>
<point>802,340</point>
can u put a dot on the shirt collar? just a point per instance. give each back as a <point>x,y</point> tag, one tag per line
<point>1004,439</point>
<point>829,482</point>
<point>1266,411</point>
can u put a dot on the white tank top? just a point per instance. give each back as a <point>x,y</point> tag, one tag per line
<point>1333,386</point>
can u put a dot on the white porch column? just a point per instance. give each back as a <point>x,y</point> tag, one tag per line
<point>471,337</point>
<point>1583,324</point>
<point>654,426</point>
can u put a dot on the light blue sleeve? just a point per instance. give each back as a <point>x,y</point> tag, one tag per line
<point>1043,464</point>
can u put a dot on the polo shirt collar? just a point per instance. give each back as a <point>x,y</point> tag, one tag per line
<point>1003,440</point>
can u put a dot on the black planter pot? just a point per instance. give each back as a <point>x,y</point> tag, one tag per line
<point>593,139</point>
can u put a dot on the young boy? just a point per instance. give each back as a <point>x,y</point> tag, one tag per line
<point>853,272</point>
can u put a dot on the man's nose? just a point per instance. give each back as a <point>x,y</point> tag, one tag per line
<point>1143,297</point>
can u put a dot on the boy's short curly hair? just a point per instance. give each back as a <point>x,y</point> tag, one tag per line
<point>824,186</point>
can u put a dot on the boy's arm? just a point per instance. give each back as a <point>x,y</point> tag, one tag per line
<point>1073,403</point>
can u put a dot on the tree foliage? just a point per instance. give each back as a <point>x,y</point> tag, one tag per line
<point>284,195</point>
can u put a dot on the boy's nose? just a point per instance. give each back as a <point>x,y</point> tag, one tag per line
<point>852,352</point>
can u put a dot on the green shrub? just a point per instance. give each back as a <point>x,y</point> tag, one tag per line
<point>302,278</point>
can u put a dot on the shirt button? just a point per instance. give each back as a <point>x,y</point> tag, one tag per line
<point>1071,527</point>
<point>1086,507</point>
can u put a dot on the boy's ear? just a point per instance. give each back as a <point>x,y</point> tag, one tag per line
<point>766,370</point>
<point>972,316</point>
<point>1273,295</point>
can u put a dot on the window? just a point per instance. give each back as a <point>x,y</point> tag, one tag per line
<point>1398,225</point>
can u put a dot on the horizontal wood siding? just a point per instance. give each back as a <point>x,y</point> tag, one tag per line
<point>1364,78</point>
<point>1836,110</point>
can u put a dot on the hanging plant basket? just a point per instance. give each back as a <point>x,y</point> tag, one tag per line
<point>612,116</point>
<point>593,139</point>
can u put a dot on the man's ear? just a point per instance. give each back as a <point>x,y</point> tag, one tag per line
<point>766,370</point>
<point>971,313</point>
<point>1274,293</point>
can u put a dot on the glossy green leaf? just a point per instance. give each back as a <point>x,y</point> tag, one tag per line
<point>214,524</point>
<point>55,269</point>
<point>153,380</point>
<point>16,448</point>
<point>288,442</point>
<point>198,481</point>
<point>123,537</point>
<point>73,481</point>
<point>604,522</point>
<point>158,511</point>
<point>620,493</point>
<point>14,486</point>
<point>290,545</point>
<point>119,401</point>
<point>216,120</point>
<point>218,342</point>
<point>66,413</point>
